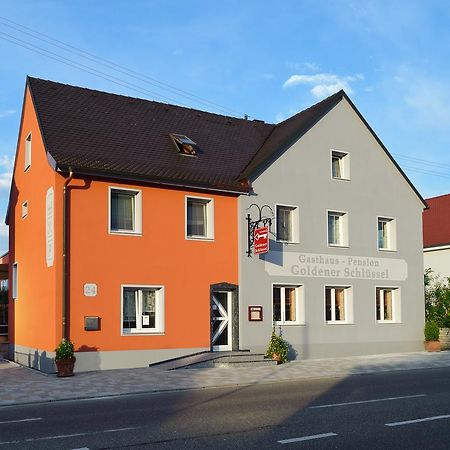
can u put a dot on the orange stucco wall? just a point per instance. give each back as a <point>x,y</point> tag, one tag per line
<point>35,312</point>
<point>160,256</point>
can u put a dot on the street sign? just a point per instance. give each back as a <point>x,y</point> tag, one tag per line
<point>261,240</point>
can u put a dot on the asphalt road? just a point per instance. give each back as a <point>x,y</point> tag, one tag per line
<point>401,410</point>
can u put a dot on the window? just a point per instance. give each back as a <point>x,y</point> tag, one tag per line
<point>337,229</point>
<point>388,304</point>
<point>142,309</point>
<point>288,305</point>
<point>338,304</point>
<point>199,218</point>
<point>125,211</point>
<point>27,163</point>
<point>386,234</point>
<point>184,145</point>
<point>340,165</point>
<point>24,209</point>
<point>287,223</point>
<point>15,275</point>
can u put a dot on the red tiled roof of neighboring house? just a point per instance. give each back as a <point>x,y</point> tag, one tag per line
<point>436,221</point>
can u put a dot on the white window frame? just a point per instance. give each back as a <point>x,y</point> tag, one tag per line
<point>15,280</point>
<point>345,164</point>
<point>299,303</point>
<point>294,223</point>
<point>27,156</point>
<point>343,228</point>
<point>396,304</point>
<point>24,209</point>
<point>392,234</point>
<point>348,304</point>
<point>209,202</point>
<point>159,311</point>
<point>137,211</point>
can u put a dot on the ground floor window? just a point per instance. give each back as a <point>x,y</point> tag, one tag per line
<point>288,305</point>
<point>388,304</point>
<point>338,304</point>
<point>142,309</point>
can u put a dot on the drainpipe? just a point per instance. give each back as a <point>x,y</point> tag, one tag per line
<point>65,334</point>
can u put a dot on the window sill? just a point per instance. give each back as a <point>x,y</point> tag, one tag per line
<point>125,233</point>
<point>290,324</point>
<point>388,322</point>
<point>340,179</point>
<point>288,242</point>
<point>338,246</point>
<point>338,322</point>
<point>387,250</point>
<point>199,238</point>
<point>143,333</point>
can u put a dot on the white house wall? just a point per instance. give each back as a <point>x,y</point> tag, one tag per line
<point>438,261</point>
<point>302,176</point>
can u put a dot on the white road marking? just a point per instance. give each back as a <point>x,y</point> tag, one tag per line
<point>63,436</point>
<point>81,448</point>
<point>409,422</point>
<point>307,438</point>
<point>387,399</point>
<point>21,420</point>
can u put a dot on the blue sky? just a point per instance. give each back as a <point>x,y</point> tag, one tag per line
<point>265,59</point>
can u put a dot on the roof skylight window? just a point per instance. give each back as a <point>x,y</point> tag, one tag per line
<point>185,146</point>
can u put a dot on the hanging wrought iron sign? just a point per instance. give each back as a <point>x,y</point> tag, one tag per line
<point>258,231</point>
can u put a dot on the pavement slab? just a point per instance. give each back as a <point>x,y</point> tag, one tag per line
<point>21,385</point>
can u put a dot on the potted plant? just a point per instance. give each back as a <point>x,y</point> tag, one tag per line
<point>278,348</point>
<point>65,358</point>
<point>431,332</point>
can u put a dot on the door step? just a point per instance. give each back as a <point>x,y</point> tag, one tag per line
<point>216,359</point>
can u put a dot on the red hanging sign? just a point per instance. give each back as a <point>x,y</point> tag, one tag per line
<point>261,240</point>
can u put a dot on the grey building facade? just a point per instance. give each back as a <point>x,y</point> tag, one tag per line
<point>344,274</point>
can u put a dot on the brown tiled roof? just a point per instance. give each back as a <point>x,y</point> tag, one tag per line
<point>101,133</point>
<point>436,221</point>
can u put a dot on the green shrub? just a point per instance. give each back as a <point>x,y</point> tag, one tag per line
<point>64,350</point>
<point>277,346</point>
<point>437,299</point>
<point>431,331</point>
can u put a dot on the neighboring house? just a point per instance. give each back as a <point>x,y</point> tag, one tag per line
<point>4,305</point>
<point>436,235</point>
<point>128,232</point>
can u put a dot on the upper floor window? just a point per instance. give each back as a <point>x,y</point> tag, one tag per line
<point>386,234</point>
<point>125,215</point>
<point>388,304</point>
<point>142,309</point>
<point>24,210</point>
<point>27,163</point>
<point>15,280</point>
<point>340,165</point>
<point>337,228</point>
<point>287,223</point>
<point>288,305</point>
<point>199,218</point>
<point>338,304</point>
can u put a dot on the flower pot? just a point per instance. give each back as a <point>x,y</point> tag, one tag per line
<point>277,358</point>
<point>65,367</point>
<point>432,346</point>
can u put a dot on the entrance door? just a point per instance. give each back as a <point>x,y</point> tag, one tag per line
<point>221,321</point>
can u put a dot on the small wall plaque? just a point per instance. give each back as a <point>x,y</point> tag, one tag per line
<point>92,323</point>
<point>255,313</point>
<point>90,290</point>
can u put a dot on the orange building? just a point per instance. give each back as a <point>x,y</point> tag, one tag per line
<point>123,221</point>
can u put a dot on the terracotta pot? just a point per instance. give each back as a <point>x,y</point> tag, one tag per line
<point>65,367</point>
<point>432,346</point>
<point>277,358</point>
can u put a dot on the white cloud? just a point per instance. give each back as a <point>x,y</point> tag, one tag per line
<point>6,170</point>
<point>324,84</point>
<point>8,112</point>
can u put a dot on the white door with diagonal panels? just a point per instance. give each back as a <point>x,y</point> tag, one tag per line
<point>221,321</point>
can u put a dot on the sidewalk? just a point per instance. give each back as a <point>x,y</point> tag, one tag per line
<point>19,385</point>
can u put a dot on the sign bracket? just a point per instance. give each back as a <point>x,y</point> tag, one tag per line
<point>253,224</point>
